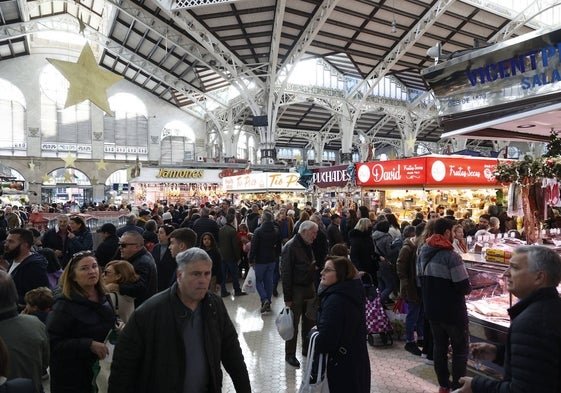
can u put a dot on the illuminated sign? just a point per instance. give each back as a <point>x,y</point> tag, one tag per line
<point>168,173</point>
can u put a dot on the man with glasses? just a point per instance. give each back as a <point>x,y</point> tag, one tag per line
<point>28,269</point>
<point>298,267</point>
<point>132,249</point>
<point>532,356</point>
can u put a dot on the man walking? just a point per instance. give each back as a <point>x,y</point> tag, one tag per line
<point>231,252</point>
<point>532,357</point>
<point>298,267</point>
<point>185,326</point>
<point>444,285</point>
<point>264,253</point>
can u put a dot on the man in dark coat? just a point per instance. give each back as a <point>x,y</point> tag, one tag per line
<point>28,270</point>
<point>231,252</point>
<point>107,249</point>
<point>253,218</point>
<point>532,356</point>
<point>334,235</point>
<point>205,224</point>
<point>132,249</point>
<point>56,238</point>
<point>185,326</point>
<point>298,267</point>
<point>130,225</point>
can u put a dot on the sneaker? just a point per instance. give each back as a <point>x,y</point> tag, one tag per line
<point>413,349</point>
<point>240,293</point>
<point>430,362</point>
<point>263,307</point>
<point>268,306</point>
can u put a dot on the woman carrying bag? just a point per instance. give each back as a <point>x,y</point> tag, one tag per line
<point>341,327</point>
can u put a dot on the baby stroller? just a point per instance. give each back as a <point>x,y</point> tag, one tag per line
<point>377,321</point>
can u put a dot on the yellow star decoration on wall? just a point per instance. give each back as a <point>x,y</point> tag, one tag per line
<point>101,165</point>
<point>69,160</point>
<point>87,80</point>
<point>31,165</point>
<point>94,180</point>
<point>46,179</point>
<point>68,177</point>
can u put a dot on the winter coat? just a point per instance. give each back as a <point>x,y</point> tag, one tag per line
<point>532,358</point>
<point>72,325</point>
<point>407,271</point>
<point>228,244</point>
<point>82,241</point>
<point>106,250</point>
<point>334,235</point>
<point>30,274</point>
<point>297,267</point>
<point>165,265</point>
<point>145,267</point>
<point>53,240</point>
<point>382,243</point>
<point>205,224</point>
<point>362,251</point>
<point>265,244</point>
<point>150,355</point>
<point>444,281</point>
<point>214,254</point>
<point>341,324</point>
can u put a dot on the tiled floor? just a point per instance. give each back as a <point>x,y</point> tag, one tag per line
<point>393,369</point>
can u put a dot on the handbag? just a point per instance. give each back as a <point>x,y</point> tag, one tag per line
<point>314,379</point>
<point>285,324</point>
<point>249,283</point>
<point>102,368</point>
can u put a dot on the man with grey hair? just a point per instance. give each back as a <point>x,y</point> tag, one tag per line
<point>25,336</point>
<point>532,356</point>
<point>298,267</point>
<point>185,326</point>
<point>130,225</point>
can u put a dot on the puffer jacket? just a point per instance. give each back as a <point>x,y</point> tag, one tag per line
<point>444,281</point>
<point>150,354</point>
<point>341,325</point>
<point>297,266</point>
<point>532,359</point>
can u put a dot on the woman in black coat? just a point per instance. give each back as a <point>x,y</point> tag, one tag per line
<point>362,248</point>
<point>341,325</point>
<point>78,324</point>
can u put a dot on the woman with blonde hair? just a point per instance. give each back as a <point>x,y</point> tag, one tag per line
<point>459,241</point>
<point>117,273</point>
<point>78,324</point>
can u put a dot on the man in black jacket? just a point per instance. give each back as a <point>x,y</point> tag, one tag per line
<point>106,250</point>
<point>298,268</point>
<point>264,253</point>
<point>185,326</point>
<point>205,224</point>
<point>28,270</point>
<point>532,357</point>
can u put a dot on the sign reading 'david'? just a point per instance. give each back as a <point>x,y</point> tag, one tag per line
<point>393,173</point>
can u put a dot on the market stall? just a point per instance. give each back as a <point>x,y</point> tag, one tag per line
<point>464,184</point>
<point>332,184</point>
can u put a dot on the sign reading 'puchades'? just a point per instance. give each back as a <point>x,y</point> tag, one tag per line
<point>261,182</point>
<point>393,173</point>
<point>431,171</point>
<point>333,176</point>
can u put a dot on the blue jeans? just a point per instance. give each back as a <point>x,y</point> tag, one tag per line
<point>386,281</point>
<point>414,322</point>
<point>232,268</point>
<point>264,273</point>
<point>457,335</point>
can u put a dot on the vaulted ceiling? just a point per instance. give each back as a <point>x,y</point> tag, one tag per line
<point>185,51</point>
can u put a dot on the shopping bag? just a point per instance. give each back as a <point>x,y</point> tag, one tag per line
<point>314,379</point>
<point>284,322</point>
<point>377,320</point>
<point>102,368</point>
<point>249,283</point>
<point>400,306</point>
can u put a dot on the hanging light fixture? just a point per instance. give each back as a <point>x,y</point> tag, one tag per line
<point>394,22</point>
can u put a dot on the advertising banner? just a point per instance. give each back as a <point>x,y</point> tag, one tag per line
<point>394,173</point>
<point>262,182</point>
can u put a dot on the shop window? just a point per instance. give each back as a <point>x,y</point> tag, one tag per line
<point>12,118</point>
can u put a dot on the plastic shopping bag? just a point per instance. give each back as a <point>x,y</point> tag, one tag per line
<point>284,324</point>
<point>249,283</point>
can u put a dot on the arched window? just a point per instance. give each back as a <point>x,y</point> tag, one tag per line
<point>12,118</point>
<point>126,133</point>
<point>178,144</point>
<point>62,130</point>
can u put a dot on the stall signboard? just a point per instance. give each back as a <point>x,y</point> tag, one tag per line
<point>178,175</point>
<point>332,176</point>
<point>409,172</point>
<point>429,171</point>
<point>459,172</point>
<point>262,182</point>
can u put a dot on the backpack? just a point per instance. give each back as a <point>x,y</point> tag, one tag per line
<point>395,247</point>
